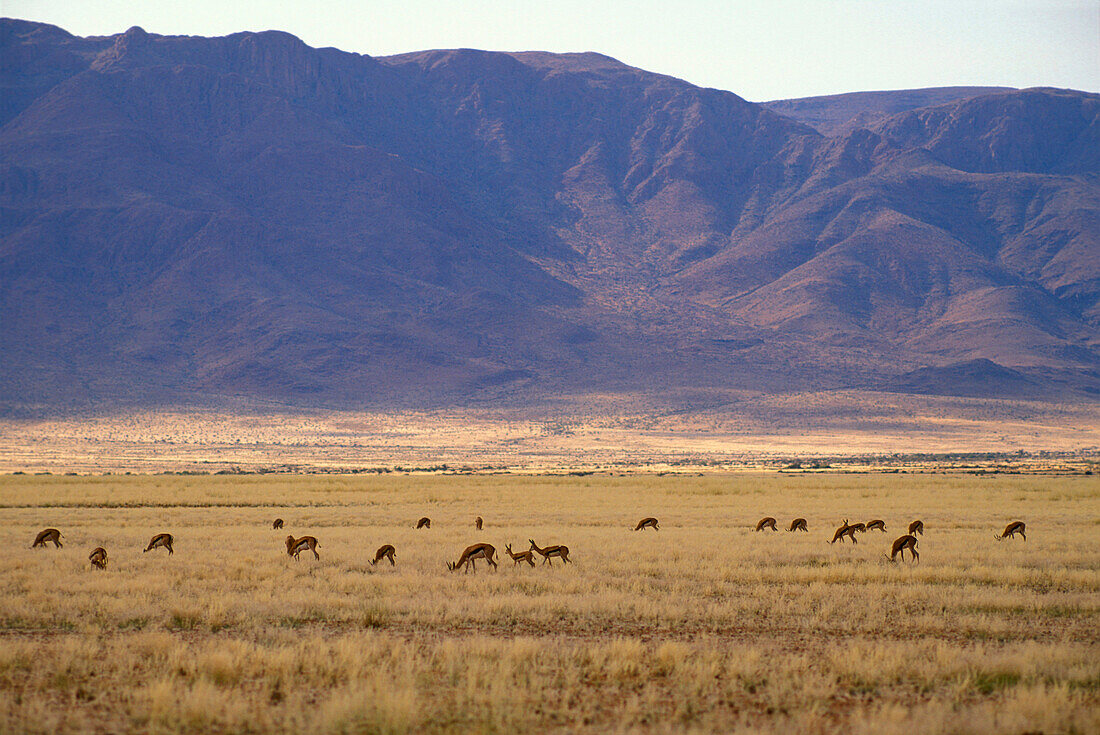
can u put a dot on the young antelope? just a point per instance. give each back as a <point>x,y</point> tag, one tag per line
<point>297,546</point>
<point>98,557</point>
<point>844,530</point>
<point>562,552</point>
<point>523,556</point>
<point>49,534</point>
<point>384,552</point>
<point>160,540</point>
<point>472,554</point>
<point>1016,527</point>
<point>903,543</point>
<point>767,522</point>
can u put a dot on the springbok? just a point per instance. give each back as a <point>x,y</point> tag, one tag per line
<point>876,525</point>
<point>161,539</point>
<point>861,527</point>
<point>647,523</point>
<point>472,554</point>
<point>527,556</point>
<point>384,552</point>
<point>49,534</point>
<point>844,530</point>
<point>478,523</point>
<point>295,546</point>
<point>903,543</point>
<point>1016,527</point>
<point>98,557</point>
<point>424,522</point>
<point>562,552</point>
<point>768,522</point>
<point>277,524</point>
<point>916,527</point>
<point>798,524</point>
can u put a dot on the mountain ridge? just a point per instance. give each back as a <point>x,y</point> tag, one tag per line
<point>248,215</point>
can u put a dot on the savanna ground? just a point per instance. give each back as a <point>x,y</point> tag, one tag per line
<point>703,626</point>
<point>731,429</point>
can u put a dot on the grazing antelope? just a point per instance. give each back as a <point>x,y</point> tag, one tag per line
<point>916,527</point>
<point>798,524</point>
<point>1016,527</point>
<point>527,556</point>
<point>384,552</point>
<point>562,552</point>
<point>49,534</point>
<point>876,524</point>
<point>647,523</point>
<point>161,539</point>
<point>768,522</point>
<point>844,530</point>
<point>861,527</point>
<point>98,557</point>
<point>472,554</point>
<point>478,523</point>
<point>295,546</point>
<point>277,524</point>
<point>903,543</point>
<point>424,522</point>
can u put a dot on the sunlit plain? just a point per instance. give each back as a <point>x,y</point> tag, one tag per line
<point>704,625</point>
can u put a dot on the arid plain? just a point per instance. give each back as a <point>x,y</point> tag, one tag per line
<point>702,626</point>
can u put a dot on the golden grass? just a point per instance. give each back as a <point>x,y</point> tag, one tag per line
<point>703,626</point>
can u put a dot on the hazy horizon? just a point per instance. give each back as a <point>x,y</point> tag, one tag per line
<point>785,50</point>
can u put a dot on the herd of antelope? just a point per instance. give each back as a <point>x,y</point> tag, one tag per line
<point>485,551</point>
<point>900,545</point>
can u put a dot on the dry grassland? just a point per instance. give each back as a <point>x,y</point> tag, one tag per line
<point>703,626</point>
<point>735,428</point>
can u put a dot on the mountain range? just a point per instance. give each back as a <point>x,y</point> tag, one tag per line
<point>187,218</point>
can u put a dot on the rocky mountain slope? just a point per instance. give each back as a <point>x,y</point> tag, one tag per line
<point>186,218</point>
<point>839,113</point>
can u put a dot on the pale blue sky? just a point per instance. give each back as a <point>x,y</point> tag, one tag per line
<point>760,50</point>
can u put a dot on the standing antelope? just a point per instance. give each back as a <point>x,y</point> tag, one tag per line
<point>562,552</point>
<point>844,530</point>
<point>98,557</point>
<point>876,524</point>
<point>916,527</point>
<point>527,556</point>
<point>424,522</point>
<point>647,523</point>
<point>277,524</point>
<point>384,552</point>
<point>295,546</point>
<point>903,543</point>
<point>861,527</point>
<point>768,522</point>
<point>478,523</point>
<point>1016,527</point>
<point>472,554</point>
<point>161,539</point>
<point>798,524</point>
<point>49,534</point>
